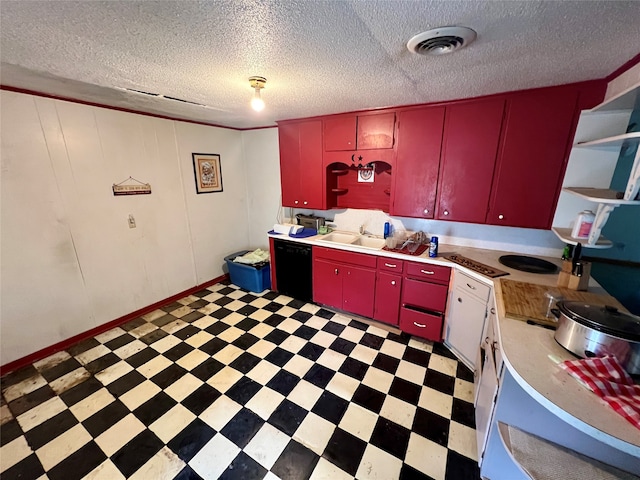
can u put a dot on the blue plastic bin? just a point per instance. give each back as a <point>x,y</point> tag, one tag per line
<point>246,276</point>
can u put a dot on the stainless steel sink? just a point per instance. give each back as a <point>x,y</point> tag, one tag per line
<point>353,239</point>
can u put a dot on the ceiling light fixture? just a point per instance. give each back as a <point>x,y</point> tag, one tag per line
<point>257,83</point>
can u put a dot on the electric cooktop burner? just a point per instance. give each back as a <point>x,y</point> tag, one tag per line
<point>476,266</point>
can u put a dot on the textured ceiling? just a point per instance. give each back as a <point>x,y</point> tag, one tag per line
<point>318,56</point>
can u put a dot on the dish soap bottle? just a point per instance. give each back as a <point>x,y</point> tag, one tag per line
<point>583,224</point>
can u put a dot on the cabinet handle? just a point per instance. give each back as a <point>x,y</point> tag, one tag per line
<point>419,325</point>
<point>427,272</point>
<point>337,271</point>
<point>296,202</point>
<point>486,340</point>
<point>446,212</point>
<point>426,211</point>
<point>305,202</point>
<point>393,282</point>
<point>500,216</point>
<point>493,311</point>
<point>391,265</point>
<point>471,287</point>
<point>459,299</point>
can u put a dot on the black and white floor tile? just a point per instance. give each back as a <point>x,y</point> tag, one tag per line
<point>235,385</point>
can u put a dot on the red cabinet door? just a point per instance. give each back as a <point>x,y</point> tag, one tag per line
<point>340,133</point>
<point>538,130</point>
<point>469,150</point>
<point>376,131</point>
<point>358,290</point>
<point>364,132</point>
<point>418,162</point>
<point>311,169</point>
<point>387,300</point>
<point>289,136</point>
<point>327,283</point>
<point>301,170</point>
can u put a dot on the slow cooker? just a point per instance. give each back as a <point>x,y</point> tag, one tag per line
<point>595,331</point>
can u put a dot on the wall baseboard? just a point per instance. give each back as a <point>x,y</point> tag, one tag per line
<point>63,345</point>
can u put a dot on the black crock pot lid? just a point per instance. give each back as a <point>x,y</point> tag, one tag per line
<point>527,264</point>
<point>604,319</point>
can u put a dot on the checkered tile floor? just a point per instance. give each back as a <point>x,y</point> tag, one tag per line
<point>234,385</point>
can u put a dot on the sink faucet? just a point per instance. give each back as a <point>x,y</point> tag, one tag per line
<point>363,231</point>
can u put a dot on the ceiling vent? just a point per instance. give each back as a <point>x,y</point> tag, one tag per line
<point>441,41</point>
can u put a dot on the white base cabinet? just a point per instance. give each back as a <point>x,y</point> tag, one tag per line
<point>466,317</point>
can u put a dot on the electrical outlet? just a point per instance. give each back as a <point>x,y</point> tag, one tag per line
<point>132,221</point>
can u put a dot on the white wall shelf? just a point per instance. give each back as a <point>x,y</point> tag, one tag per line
<point>615,141</point>
<point>600,195</point>
<point>625,100</point>
<point>606,199</point>
<point>564,234</point>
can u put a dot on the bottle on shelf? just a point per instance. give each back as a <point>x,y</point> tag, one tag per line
<point>584,222</point>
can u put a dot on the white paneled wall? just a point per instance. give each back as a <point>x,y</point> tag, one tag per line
<point>70,262</point>
<point>262,161</point>
<point>43,294</point>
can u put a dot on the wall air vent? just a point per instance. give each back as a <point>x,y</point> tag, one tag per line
<point>157,95</point>
<point>440,41</point>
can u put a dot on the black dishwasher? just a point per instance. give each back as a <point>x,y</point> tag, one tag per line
<point>293,269</point>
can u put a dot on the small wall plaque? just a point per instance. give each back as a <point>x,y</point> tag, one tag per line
<point>137,188</point>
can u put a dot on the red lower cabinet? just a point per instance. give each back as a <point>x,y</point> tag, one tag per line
<point>424,299</point>
<point>327,283</point>
<point>375,287</point>
<point>422,324</point>
<point>387,301</point>
<point>358,287</point>
<point>344,280</point>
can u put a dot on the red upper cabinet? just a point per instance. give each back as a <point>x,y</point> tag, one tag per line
<point>376,131</point>
<point>469,150</point>
<point>538,130</point>
<point>359,132</point>
<point>301,170</point>
<point>415,176</point>
<point>340,133</point>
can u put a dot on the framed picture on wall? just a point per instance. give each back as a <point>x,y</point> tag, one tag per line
<point>208,172</point>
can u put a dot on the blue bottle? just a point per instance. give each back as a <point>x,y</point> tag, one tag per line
<point>387,229</point>
<point>433,247</point>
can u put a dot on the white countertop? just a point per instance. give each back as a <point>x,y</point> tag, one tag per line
<point>526,349</point>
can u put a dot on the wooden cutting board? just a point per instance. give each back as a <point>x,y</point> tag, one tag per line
<point>524,301</point>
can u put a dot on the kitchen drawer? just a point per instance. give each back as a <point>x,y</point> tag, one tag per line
<point>472,286</point>
<point>342,256</point>
<point>421,324</point>
<point>390,264</point>
<point>426,271</point>
<point>428,296</point>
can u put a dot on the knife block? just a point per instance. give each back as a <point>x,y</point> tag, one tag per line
<point>573,282</point>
